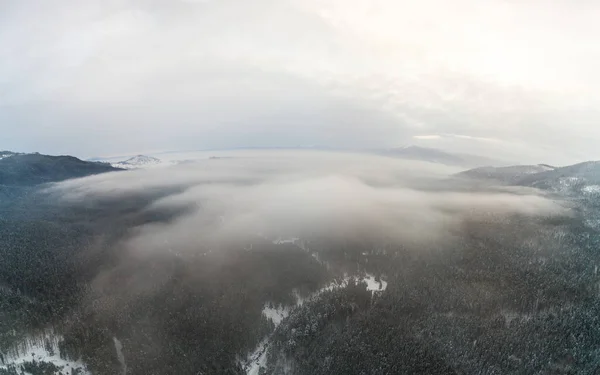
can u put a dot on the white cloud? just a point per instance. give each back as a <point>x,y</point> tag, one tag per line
<point>302,194</point>
<point>472,138</point>
<point>101,77</point>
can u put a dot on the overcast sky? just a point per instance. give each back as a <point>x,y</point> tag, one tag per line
<point>504,78</point>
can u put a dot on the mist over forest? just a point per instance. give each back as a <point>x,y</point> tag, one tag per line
<point>299,187</point>
<point>301,262</point>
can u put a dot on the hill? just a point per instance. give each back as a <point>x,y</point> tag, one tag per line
<point>507,175</point>
<point>35,169</point>
<point>572,176</point>
<point>138,161</point>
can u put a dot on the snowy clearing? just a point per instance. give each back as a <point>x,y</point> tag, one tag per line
<point>42,348</point>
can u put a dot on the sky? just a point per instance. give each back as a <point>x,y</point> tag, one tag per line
<point>507,79</point>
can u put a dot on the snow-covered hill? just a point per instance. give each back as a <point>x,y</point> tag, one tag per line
<point>139,161</point>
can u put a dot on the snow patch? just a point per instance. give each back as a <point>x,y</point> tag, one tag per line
<point>276,314</point>
<point>258,358</point>
<point>373,285</point>
<point>569,181</point>
<point>281,241</point>
<point>546,167</point>
<point>141,161</point>
<point>290,240</point>
<point>370,280</point>
<point>120,356</point>
<point>41,348</point>
<point>591,189</point>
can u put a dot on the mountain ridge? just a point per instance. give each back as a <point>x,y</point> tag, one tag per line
<point>34,169</point>
<point>508,174</point>
<point>138,161</point>
<point>580,179</point>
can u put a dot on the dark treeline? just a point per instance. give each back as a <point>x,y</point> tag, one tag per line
<point>35,169</point>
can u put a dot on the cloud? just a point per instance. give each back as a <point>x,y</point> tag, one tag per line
<point>460,136</point>
<point>299,194</point>
<point>119,76</point>
<point>472,138</point>
<point>196,239</point>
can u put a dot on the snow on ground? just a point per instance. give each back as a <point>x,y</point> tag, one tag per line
<point>258,358</point>
<point>289,240</point>
<point>276,314</point>
<point>35,349</point>
<point>372,285</point>
<point>546,167</point>
<point>569,181</point>
<point>591,189</point>
<point>120,356</point>
<point>375,286</point>
<point>280,241</point>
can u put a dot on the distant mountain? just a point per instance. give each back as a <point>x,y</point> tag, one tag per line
<point>508,175</point>
<point>438,156</point>
<point>582,177</point>
<point>138,161</point>
<point>33,169</point>
<point>578,180</point>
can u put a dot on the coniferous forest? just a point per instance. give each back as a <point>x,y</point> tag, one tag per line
<point>86,282</point>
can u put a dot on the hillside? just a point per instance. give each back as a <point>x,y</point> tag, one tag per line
<point>582,174</point>
<point>35,169</point>
<point>138,161</point>
<point>509,175</point>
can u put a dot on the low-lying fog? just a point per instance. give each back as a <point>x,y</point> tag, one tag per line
<point>298,194</point>
<point>191,258</point>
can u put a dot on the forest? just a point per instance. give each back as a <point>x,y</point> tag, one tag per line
<point>506,292</point>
